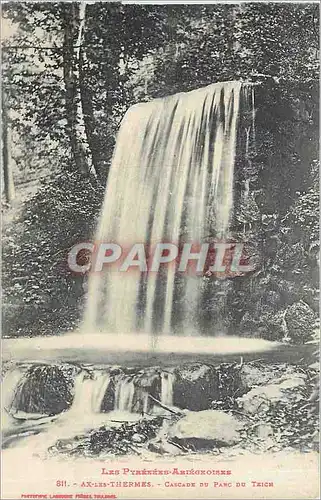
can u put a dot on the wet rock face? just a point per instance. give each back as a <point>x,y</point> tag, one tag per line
<point>108,401</point>
<point>195,387</point>
<point>201,387</point>
<point>207,428</point>
<point>45,389</point>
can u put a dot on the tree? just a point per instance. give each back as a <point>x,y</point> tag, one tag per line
<point>33,80</point>
<point>73,21</point>
<point>9,188</point>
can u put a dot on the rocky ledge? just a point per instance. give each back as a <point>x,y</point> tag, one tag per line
<point>252,406</point>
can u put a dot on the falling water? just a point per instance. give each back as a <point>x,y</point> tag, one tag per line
<point>89,391</point>
<point>124,394</point>
<point>167,386</point>
<point>85,413</point>
<point>171,180</point>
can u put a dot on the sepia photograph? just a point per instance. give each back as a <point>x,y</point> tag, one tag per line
<point>160,250</point>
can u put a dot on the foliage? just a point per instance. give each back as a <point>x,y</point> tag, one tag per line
<point>41,296</point>
<point>32,80</point>
<point>230,42</point>
<point>137,52</point>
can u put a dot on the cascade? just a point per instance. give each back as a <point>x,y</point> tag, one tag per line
<point>171,180</point>
<point>124,394</point>
<point>167,382</point>
<point>89,391</point>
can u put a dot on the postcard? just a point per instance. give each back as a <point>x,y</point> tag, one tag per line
<point>160,263</point>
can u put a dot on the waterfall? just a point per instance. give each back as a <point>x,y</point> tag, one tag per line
<point>167,383</point>
<point>171,180</point>
<point>89,391</point>
<point>124,394</point>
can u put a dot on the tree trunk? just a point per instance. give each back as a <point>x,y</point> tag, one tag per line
<point>9,189</point>
<point>74,21</point>
<point>89,120</point>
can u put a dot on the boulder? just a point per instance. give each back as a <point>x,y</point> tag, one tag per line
<point>108,401</point>
<point>257,373</point>
<point>46,389</point>
<point>259,399</point>
<point>206,428</point>
<point>300,320</point>
<point>195,387</point>
<point>264,431</point>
